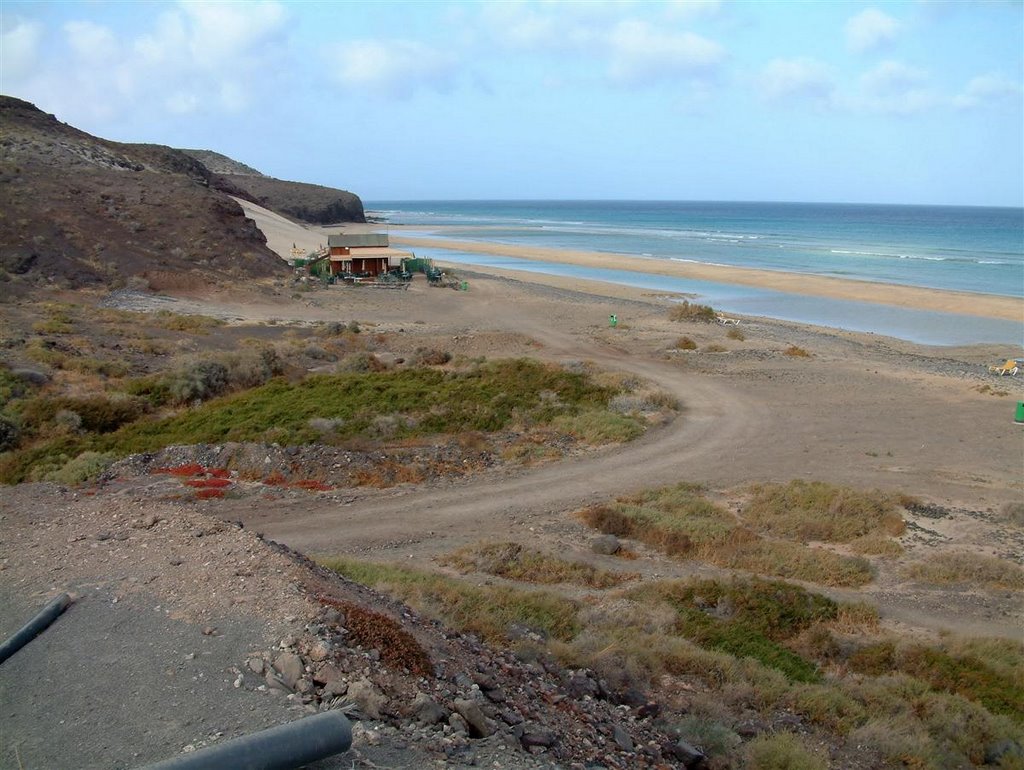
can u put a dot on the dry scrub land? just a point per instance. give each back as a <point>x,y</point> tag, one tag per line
<point>774,545</point>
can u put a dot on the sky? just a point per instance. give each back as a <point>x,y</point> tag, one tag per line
<point>915,102</point>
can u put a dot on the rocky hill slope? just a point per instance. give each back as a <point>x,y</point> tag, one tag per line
<point>80,210</point>
<point>311,203</point>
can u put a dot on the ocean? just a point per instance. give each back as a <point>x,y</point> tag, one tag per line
<point>970,249</point>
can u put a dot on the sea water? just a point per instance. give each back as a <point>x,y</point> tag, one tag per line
<point>971,249</point>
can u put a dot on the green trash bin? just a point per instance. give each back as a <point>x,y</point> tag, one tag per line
<point>465,286</point>
<point>1019,416</point>
<point>613,321</point>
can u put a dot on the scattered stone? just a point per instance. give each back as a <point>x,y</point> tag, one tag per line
<point>622,738</point>
<point>289,666</point>
<point>319,652</point>
<point>209,631</point>
<point>458,724</point>
<point>426,711</point>
<point>145,522</point>
<point>535,735</point>
<point>605,544</point>
<point>479,725</point>
<point>256,665</point>
<point>691,757</point>
<point>328,673</point>
<point>367,697</point>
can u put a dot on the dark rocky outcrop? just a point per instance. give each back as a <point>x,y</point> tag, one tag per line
<point>306,202</point>
<point>78,210</point>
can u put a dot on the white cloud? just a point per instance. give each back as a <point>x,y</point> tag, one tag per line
<point>802,78</point>
<point>395,68</point>
<point>90,41</point>
<point>870,29</point>
<point>19,49</point>
<point>987,89</point>
<point>892,77</point>
<point>894,88</point>
<point>195,57</point>
<point>641,54</point>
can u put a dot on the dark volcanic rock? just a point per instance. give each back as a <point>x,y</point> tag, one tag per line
<point>307,202</point>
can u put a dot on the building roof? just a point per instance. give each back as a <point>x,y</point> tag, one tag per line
<point>370,252</point>
<point>358,240</point>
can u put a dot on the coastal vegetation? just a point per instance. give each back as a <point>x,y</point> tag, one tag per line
<point>691,311</point>
<point>683,522</point>
<point>261,393</point>
<point>743,648</point>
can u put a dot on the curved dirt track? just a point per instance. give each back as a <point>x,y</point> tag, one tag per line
<point>714,419</point>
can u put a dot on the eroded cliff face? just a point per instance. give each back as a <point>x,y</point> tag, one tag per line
<point>306,202</point>
<point>78,210</point>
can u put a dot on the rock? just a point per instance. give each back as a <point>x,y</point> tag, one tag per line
<point>580,684</point>
<point>605,544</point>
<point>538,736</point>
<point>328,673</point>
<point>289,666</point>
<point>426,711</point>
<point>688,755</point>
<point>496,695</point>
<point>622,738</point>
<point>479,725</point>
<point>367,697</point>
<point>145,522</point>
<point>458,724</point>
<point>255,665</point>
<point>274,682</point>
<point>319,652</point>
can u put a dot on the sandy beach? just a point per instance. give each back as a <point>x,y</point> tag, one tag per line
<point>961,303</point>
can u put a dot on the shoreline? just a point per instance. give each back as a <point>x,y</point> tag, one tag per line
<point>911,297</point>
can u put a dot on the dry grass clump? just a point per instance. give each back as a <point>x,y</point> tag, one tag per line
<point>968,568</point>
<point>1013,513</point>
<point>598,426</point>
<point>782,751</point>
<point>496,614</point>
<point>513,561</point>
<point>688,311</point>
<point>680,521</point>
<point>736,334</point>
<point>685,343</point>
<point>715,348</point>
<point>813,510</point>
<point>876,545</point>
<point>192,324</point>
<point>796,352</point>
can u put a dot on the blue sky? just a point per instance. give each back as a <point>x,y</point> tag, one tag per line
<point>887,102</point>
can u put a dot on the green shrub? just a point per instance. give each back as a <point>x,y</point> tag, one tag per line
<point>78,470</point>
<point>967,568</point>
<point>10,433</point>
<point>199,381</point>
<point>95,414</point>
<point>597,426</point>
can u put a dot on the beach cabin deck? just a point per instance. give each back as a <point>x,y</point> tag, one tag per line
<point>367,254</point>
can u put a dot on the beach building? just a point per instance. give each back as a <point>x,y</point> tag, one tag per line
<point>366,254</point>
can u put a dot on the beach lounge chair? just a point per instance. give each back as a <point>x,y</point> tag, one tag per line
<point>725,321</point>
<point>1011,367</point>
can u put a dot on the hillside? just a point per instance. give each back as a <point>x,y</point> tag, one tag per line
<point>78,210</point>
<point>306,202</point>
<point>310,203</point>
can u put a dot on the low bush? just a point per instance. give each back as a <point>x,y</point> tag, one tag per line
<point>515,562</point>
<point>688,311</point>
<point>782,751</point>
<point>191,324</point>
<point>680,521</point>
<point>796,352</point>
<point>78,470</point>
<point>735,334</point>
<point>685,343</point>
<point>818,511</point>
<point>715,348</point>
<point>598,426</point>
<point>967,568</point>
<point>95,414</point>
